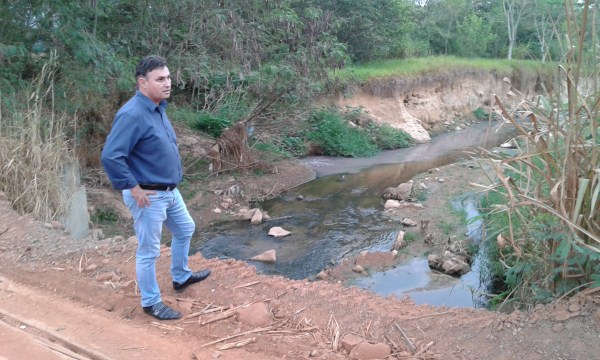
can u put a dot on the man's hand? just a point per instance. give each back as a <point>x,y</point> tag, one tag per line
<point>141,196</point>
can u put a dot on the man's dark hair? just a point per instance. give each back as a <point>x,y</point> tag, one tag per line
<point>148,64</point>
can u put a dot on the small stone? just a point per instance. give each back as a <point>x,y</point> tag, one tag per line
<point>278,232</point>
<point>574,307</point>
<point>366,351</point>
<point>391,204</point>
<point>57,225</point>
<point>350,341</point>
<point>91,268</point>
<point>358,269</point>
<point>409,222</point>
<point>256,314</point>
<point>217,210</point>
<point>314,353</point>
<point>557,327</point>
<point>268,256</point>
<point>257,217</point>
<point>105,276</point>
<point>322,275</point>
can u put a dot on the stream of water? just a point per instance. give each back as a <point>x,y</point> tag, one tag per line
<point>341,215</point>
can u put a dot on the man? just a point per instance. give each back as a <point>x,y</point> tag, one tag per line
<point>141,158</point>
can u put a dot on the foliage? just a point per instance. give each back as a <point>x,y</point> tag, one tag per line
<point>480,114</point>
<point>473,36</point>
<point>331,133</point>
<point>389,138</point>
<point>273,152</point>
<point>544,224</point>
<point>105,215</point>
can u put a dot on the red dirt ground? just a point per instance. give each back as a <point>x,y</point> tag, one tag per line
<point>66,299</point>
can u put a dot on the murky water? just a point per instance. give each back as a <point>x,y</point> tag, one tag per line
<point>341,214</point>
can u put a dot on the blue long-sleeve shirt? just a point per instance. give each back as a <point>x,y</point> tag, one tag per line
<point>141,147</point>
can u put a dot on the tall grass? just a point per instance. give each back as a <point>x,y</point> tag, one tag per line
<point>34,151</point>
<point>418,66</point>
<point>544,227</point>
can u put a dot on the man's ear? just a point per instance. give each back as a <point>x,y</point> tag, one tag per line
<point>141,82</point>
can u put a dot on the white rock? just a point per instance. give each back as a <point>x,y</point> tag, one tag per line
<point>268,256</point>
<point>391,204</point>
<point>278,232</point>
<point>257,217</point>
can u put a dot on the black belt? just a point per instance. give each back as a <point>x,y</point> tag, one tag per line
<point>158,187</point>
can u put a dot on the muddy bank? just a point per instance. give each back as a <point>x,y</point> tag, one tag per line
<point>439,102</point>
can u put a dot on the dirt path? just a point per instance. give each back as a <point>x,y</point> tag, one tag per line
<point>77,300</point>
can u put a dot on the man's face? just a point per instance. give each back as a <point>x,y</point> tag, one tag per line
<point>156,85</point>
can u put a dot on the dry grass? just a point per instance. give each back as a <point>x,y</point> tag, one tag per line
<point>35,155</point>
<point>551,188</point>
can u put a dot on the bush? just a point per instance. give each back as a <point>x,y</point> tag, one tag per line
<point>330,132</point>
<point>481,114</point>
<point>105,215</point>
<point>389,138</point>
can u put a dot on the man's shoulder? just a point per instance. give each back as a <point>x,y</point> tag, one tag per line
<point>132,108</point>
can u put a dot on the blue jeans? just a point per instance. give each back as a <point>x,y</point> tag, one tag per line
<point>169,208</point>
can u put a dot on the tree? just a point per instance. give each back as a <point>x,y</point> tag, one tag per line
<point>513,13</point>
<point>442,19</point>
<point>547,18</point>
<point>473,36</point>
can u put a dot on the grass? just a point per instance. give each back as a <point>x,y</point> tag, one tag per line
<point>37,161</point>
<point>543,222</point>
<point>419,66</point>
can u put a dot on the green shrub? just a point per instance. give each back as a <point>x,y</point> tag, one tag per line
<point>211,124</point>
<point>105,215</point>
<point>481,114</point>
<point>389,138</point>
<point>330,132</point>
<point>272,151</point>
<point>294,145</point>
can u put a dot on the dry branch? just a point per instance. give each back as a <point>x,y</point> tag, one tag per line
<point>410,344</point>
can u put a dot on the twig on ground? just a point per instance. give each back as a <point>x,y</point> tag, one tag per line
<point>298,311</point>
<point>222,316</point>
<point>236,344</point>
<point>81,261</point>
<point>430,344</point>
<point>391,341</point>
<point>257,330</point>
<point>246,285</point>
<point>279,218</point>
<point>134,348</point>
<point>410,344</point>
<point>166,327</point>
<point>427,315</point>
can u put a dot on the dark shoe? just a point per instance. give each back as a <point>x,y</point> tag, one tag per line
<point>162,312</point>
<point>196,277</point>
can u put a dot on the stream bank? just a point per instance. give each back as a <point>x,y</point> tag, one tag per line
<point>338,219</point>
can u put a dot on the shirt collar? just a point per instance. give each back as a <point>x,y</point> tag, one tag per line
<point>149,104</point>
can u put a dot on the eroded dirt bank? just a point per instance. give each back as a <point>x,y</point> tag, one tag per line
<point>438,103</point>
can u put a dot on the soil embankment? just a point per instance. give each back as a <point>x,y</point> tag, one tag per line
<point>436,104</point>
